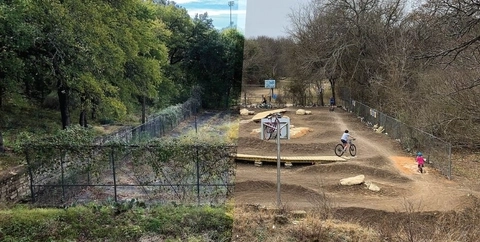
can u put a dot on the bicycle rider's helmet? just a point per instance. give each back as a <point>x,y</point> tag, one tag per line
<point>419,154</point>
<point>346,131</point>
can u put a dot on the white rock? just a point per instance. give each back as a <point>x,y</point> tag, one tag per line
<point>372,187</point>
<point>356,180</point>
<point>244,112</point>
<point>300,112</point>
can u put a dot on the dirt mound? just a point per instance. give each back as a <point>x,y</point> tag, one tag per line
<point>298,132</point>
<point>361,190</point>
<point>349,169</point>
<point>266,186</point>
<point>379,158</point>
<point>268,189</point>
<point>326,135</point>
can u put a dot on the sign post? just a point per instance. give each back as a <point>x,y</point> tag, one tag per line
<point>282,132</point>
<point>270,84</point>
<point>278,164</point>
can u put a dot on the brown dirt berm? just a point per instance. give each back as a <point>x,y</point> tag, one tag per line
<point>379,158</point>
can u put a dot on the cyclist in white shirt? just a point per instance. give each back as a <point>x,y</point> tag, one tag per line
<point>346,137</point>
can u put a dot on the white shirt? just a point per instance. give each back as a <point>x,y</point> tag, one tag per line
<point>345,136</point>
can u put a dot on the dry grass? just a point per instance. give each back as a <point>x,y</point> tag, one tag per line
<point>258,223</point>
<point>255,223</point>
<point>466,164</point>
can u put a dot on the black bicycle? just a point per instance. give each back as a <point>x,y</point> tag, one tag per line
<point>265,105</point>
<point>339,149</point>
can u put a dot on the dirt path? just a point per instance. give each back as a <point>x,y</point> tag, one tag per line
<point>379,158</point>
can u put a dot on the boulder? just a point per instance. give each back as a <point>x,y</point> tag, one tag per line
<point>356,180</point>
<point>372,187</point>
<point>244,112</point>
<point>300,112</point>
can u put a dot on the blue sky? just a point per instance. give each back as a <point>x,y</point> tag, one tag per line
<point>252,17</point>
<point>218,11</point>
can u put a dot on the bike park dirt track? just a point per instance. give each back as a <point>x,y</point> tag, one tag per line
<point>379,158</point>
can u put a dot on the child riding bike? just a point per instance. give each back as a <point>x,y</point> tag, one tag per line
<point>420,162</point>
<point>346,137</point>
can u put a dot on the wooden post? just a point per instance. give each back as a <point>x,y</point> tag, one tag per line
<point>2,149</point>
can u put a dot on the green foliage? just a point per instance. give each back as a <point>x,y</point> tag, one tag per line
<point>95,222</point>
<point>45,152</point>
<point>157,55</point>
<point>72,136</point>
<point>190,220</point>
<point>155,58</point>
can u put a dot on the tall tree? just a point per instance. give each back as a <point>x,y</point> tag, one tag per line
<point>343,40</point>
<point>180,25</point>
<point>449,36</point>
<point>233,42</point>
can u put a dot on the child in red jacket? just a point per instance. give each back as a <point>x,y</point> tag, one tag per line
<point>420,161</point>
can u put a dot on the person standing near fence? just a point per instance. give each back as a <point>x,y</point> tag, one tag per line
<point>420,162</point>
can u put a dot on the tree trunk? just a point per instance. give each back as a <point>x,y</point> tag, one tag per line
<point>62,93</point>
<point>83,119</point>
<point>332,84</point>
<point>94,109</point>
<point>83,112</point>
<point>2,149</point>
<point>144,115</point>
<point>320,96</point>
<point>2,92</point>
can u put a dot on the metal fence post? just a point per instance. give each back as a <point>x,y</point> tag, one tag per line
<point>449,161</point>
<point>112,160</point>
<point>198,174</point>
<point>62,155</point>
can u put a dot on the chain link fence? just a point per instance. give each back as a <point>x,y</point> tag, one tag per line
<point>157,174</point>
<point>437,151</point>
<point>159,124</point>
<point>201,174</point>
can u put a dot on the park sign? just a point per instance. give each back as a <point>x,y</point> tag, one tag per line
<point>270,84</point>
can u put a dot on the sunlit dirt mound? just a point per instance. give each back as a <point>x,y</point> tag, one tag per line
<point>295,132</point>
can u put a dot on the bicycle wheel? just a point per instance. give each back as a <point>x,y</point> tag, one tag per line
<point>267,132</point>
<point>339,150</point>
<point>353,150</point>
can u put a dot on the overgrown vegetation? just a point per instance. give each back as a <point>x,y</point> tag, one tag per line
<point>134,221</point>
<point>107,62</point>
<point>129,221</point>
